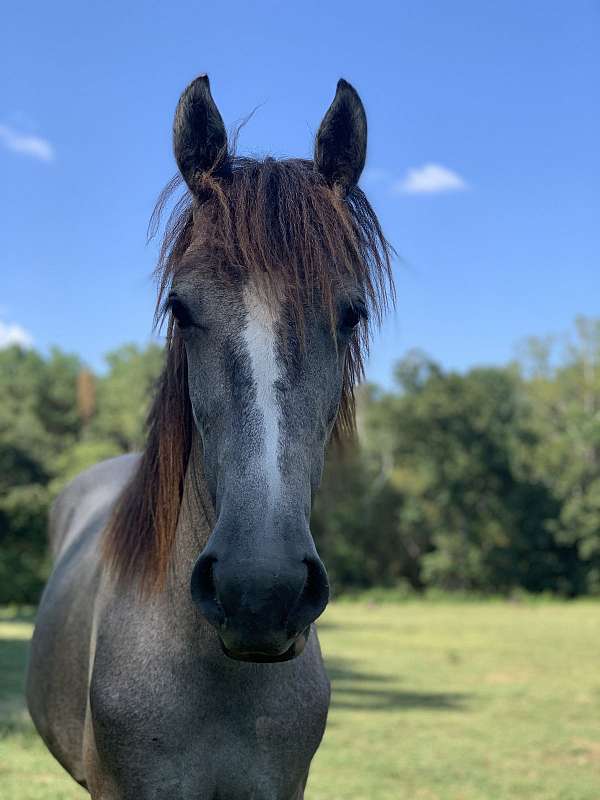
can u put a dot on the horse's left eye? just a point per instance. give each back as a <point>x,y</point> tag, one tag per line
<point>351,316</point>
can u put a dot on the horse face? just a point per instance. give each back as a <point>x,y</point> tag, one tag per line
<point>264,401</point>
<point>265,390</point>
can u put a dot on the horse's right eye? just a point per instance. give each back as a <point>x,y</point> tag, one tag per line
<point>180,313</point>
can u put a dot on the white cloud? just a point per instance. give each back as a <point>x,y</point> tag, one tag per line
<point>26,144</point>
<point>11,333</point>
<point>429,179</point>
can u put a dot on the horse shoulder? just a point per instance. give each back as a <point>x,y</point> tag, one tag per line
<point>91,493</point>
<point>59,660</point>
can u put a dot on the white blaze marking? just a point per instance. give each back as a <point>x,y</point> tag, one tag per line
<point>260,339</point>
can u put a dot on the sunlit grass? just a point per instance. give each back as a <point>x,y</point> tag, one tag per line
<point>26,768</point>
<point>434,701</point>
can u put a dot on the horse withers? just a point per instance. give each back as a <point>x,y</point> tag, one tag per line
<point>174,655</point>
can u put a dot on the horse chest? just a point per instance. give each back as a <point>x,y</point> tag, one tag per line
<point>207,729</point>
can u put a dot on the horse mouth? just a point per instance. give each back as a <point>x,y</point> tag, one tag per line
<point>293,651</point>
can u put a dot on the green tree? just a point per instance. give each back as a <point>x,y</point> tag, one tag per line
<point>563,384</point>
<point>124,395</point>
<point>46,438</point>
<point>38,422</point>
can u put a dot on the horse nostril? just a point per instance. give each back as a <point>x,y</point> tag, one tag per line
<point>204,590</point>
<point>316,588</point>
<point>313,597</point>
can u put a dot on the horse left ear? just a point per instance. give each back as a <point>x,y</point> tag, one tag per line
<point>199,135</point>
<point>341,143</point>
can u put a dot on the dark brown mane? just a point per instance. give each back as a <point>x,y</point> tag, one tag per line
<point>273,218</point>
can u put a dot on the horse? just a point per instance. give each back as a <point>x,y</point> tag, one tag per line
<point>175,653</point>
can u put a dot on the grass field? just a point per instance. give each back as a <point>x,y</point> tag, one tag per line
<point>431,701</point>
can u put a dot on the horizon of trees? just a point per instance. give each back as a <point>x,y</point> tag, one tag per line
<point>483,481</point>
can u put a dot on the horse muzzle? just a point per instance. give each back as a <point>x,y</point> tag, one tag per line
<point>294,650</point>
<point>261,609</point>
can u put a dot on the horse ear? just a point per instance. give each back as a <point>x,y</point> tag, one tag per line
<point>199,135</point>
<point>341,143</point>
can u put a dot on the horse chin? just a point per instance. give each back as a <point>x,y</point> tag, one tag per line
<point>293,651</point>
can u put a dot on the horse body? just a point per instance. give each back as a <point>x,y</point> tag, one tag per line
<point>175,654</point>
<point>168,715</point>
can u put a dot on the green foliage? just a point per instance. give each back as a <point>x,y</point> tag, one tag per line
<point>23,563</point>
<point>483,482</point>
<point>38,420</point>
<point>45,441</point>
<point>124,395</point>
<point>564,388</point>
<point>487,481</point>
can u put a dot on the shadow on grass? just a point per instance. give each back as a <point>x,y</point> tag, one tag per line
<point>353,688</point>
<point>14,718</point>
<point>13,659</point>
<point>359,690</point>
<point>17,613</point>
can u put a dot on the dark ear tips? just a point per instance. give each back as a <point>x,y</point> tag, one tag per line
<point>343,85</point>
<point>199,135</point>
<point>341,142</point>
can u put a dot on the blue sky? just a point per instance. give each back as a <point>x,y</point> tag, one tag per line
<point>483,164</point>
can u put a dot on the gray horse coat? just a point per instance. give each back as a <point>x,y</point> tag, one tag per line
<point>137,700</point>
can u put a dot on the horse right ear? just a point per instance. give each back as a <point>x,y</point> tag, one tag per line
<point>199,135</point>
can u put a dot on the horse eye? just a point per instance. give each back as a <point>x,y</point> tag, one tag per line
<point>351,316</point>
<point>181,313</point>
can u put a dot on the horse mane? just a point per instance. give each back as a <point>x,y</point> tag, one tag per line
<point>278,219</point>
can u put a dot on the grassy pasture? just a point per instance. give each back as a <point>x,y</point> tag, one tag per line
<point>431,701</point>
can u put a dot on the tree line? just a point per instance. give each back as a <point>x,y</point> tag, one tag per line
<point>482,481</point>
